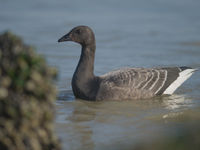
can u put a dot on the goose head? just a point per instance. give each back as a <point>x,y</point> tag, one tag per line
<point>80,34</point>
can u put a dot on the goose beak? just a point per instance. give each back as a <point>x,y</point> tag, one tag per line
<point>65,38</point>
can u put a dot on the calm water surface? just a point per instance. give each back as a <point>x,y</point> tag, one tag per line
<point>138,33</point>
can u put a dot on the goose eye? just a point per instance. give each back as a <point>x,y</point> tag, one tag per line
<point>78,31</point>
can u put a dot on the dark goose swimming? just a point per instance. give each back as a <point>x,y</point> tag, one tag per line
<point>125,83</point>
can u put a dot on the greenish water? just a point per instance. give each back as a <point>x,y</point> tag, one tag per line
<point>138,33</point>
<point>124,124</point>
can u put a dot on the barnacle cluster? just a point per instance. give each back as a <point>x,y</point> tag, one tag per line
<point>26,97</point>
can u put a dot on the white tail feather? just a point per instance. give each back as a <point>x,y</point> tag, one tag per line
<point>183,76</point>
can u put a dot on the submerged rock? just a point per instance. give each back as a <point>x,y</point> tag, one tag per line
<point>182,133</point>
<point>26,98</point>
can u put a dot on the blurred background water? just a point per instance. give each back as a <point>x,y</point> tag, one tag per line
<point>138,33</point>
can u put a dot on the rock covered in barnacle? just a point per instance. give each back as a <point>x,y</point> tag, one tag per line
<point>26,97</point>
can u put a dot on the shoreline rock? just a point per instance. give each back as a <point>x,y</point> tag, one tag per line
<point>26,97</point>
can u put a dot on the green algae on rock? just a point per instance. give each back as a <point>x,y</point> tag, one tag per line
<point>26,97</point>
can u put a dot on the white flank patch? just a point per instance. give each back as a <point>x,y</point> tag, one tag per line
<point>183,76</point>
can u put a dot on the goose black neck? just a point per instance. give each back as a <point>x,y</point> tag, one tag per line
<point>85,68</point>
<point>83,78</point>
<point>86,62</point>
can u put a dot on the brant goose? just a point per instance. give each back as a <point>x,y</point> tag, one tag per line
<point>125,83</point>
